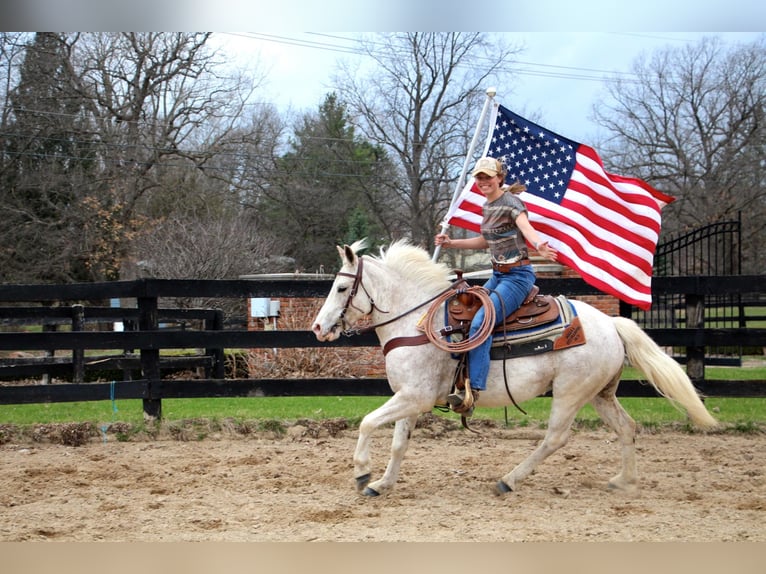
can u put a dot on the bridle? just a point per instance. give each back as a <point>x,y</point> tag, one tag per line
<point>357,277</point>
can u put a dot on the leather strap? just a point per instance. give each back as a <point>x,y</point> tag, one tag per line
<point>397,342</point>
<point>506,267</point>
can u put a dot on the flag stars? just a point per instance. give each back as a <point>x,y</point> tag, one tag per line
<point>540,160</point>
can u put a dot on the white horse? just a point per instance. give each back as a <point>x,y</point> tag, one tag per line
<point>393,292</point>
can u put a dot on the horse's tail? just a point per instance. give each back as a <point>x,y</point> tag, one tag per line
<point>664,374</point>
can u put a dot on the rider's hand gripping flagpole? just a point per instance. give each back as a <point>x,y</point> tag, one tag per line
<point>468,159</point>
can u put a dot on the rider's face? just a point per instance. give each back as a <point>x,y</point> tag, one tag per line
<point>487,184</point>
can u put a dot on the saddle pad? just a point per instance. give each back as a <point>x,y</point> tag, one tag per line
<point>564,332</point>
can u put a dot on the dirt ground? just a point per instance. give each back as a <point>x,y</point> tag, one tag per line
<point>298,486</point>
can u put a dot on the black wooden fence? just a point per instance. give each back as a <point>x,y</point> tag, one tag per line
<point>51,304</point>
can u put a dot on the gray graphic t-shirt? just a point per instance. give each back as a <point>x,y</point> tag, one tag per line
<point>506,242</point>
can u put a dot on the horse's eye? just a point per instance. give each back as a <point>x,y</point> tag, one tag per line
<point>342,289</point>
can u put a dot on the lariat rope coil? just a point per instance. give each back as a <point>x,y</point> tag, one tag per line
<point>469,343</point>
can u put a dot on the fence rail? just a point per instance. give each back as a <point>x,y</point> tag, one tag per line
<point>141,299</point>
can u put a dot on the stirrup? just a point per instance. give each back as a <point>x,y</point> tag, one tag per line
<point>463,401</point>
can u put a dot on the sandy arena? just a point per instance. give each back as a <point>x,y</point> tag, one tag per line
<point>299,487</point>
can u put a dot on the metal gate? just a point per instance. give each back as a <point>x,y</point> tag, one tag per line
<point>713,249</point>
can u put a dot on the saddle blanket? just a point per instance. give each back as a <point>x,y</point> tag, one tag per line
<point>564,332</point>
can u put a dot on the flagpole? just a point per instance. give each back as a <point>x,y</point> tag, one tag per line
<point>468,158</point>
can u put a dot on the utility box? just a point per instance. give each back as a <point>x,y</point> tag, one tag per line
<point>263,314</point>
<point>262,307</point>
<point>259,307</point>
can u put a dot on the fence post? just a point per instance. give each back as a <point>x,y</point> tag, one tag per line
<point>78,354</point>
<point>695,319</point>
<point>219,365</point>
<point>48,328</point>
<point>626,309</point>
<point>148,320</point>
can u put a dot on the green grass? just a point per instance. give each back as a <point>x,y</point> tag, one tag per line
<point>646,411</point>
<point>716,313</point>
<point>713,373</point>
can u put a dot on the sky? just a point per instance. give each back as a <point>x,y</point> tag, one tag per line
<point>377,15</point>
<point>569,46</point>
<point>560,75</point>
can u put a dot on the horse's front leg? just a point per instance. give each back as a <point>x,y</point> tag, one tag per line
<point>397,409</point>
<point>399,443</point>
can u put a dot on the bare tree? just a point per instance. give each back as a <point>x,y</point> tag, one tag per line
<point>421,102</point>
<point>195,246</point>
<point>133,125</point>
<point>694,125</point>
<point>12,47</point>
<point>157,102</point>
<point>192,247</point>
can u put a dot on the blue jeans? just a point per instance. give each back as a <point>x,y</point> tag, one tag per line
<point>512,288</point>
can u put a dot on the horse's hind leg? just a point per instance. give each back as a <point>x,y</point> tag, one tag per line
<point>559,427</point>
<point>611,411</point>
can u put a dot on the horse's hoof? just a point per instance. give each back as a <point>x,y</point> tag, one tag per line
<point>361,481</point>
<point>501,488</point>
<point>370,492</point>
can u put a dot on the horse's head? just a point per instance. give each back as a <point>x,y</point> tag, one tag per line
<point>340,309</point>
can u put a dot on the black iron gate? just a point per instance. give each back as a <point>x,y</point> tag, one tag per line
<point>713,249</point>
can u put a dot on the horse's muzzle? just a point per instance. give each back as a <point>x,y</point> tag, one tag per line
<point>325,335</point>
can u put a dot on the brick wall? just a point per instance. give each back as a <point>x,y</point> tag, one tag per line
<point>296,314</point>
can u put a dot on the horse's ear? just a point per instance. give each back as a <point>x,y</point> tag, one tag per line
<point>346,254</point>
<point>350,254</point>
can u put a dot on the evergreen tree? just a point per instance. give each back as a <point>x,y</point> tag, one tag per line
<point>324,187</point>
<point>48,161</point>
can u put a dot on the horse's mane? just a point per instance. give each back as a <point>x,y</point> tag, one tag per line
<point>414,263</point>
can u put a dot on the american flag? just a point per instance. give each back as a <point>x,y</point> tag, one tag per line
<point>604,226</point>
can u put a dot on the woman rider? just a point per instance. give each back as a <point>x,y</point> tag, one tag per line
<point>505,229</point>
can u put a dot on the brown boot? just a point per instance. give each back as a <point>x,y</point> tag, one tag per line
<point>462,402</point>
